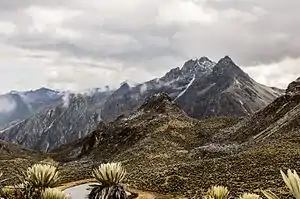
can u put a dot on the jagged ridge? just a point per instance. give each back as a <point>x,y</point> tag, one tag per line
<point>202,88</point>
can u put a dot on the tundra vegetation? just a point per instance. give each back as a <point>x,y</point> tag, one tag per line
<point>41,181</point>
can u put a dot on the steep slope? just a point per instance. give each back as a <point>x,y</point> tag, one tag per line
<point>166,151</point>
<point>158,124</point>
<point>278,121</point>
<point>227,91</point>
<point>49,128</point>
<point>158,134</point>
<point>201,87</point>
<point>16,106</point>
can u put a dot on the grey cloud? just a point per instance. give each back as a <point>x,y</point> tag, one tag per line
<point>270,38</point>
<point>253,32</point>
<point>7,104</point>
<point>13,5</point>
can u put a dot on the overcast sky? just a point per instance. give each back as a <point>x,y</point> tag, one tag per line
<point>77,44</point>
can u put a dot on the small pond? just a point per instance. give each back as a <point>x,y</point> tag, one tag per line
<point>78,192</point>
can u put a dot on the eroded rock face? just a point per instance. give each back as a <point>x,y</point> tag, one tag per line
<point>294,88</point>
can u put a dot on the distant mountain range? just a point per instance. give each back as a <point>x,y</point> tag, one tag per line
<point>49,128</point>
<point>202,88</point>
<point>17,106</point>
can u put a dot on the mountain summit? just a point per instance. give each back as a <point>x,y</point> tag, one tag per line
<point>202,66</point>
<point>174,83</point>
<point>202,88</point>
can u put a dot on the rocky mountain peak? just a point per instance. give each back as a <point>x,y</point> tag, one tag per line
<point>124,88</point>
<point>204,59</point>
<point>125,85</point>
<point>202,65</point>
<point>294,88</point>
<point>172,74</point>
<point>227,68</point>
<point>159,102</point>
<point>44,89</point>
<point>226,61</point>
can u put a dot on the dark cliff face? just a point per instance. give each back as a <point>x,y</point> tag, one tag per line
<point>202,88</point>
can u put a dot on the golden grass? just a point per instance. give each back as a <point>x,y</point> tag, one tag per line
<point>180,124</point>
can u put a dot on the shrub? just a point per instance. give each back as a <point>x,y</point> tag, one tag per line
<point>249,196</point>
<point>35,180</point>
<point>217,192</point>
<point>109,174</point>
<point>42,176</point>
<point>52,193</point>
<point>270,194</point>
<point>111,192</point>
<point>109,177</point>
<point>292,181</point>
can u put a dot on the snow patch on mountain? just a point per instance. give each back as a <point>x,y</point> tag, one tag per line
<point>208,65</point>
<point>188,86</point>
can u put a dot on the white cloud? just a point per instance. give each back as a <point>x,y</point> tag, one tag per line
<point>279,74</point>
<point>48,19</point>
<point>177,11</point>
<point>7,28</point>
<point>7,104</point>
<point>78,78</point>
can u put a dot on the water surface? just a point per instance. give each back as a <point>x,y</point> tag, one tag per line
<point>78,192</point>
